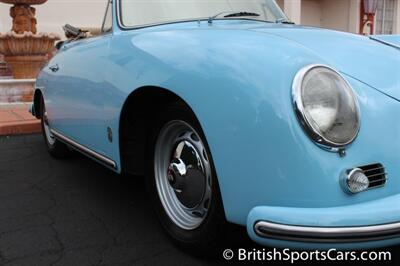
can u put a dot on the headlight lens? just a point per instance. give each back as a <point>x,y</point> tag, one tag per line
<point>326,106</point>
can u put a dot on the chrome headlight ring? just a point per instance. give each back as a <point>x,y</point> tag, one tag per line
<point>326,107</point>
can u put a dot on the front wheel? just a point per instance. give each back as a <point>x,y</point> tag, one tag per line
<point>183,183</point>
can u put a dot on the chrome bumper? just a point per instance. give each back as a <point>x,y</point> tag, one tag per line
<point>277,231</point>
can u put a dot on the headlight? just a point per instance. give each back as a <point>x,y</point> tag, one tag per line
<point>326,106</point>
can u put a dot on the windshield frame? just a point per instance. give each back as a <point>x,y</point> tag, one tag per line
<point>124,27</point>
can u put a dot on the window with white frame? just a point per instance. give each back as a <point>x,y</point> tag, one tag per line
<point>385,15</point>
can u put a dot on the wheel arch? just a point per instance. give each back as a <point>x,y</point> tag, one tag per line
<point>36,103</point>
<point>137,114</point>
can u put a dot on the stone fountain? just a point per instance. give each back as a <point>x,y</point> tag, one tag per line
<point>25,50</point>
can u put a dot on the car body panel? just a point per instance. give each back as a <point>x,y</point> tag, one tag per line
<point>80,81</point>
<point>357,56</point>
<point>236,76</point>
<point>248,106</point>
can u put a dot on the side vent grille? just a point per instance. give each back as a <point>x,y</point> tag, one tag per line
<point>376,174</point>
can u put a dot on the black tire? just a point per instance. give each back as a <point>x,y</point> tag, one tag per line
<point>207,239</point>
<point>56,149</point>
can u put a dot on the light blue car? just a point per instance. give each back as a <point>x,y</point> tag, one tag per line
<point>234,114</point>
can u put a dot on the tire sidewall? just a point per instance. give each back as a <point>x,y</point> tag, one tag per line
<point>212,227</point>
<point>50,146</point>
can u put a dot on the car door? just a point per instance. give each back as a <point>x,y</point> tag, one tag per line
<point>75,91</point>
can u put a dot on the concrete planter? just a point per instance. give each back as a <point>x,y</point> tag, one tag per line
<point>26,53</point>
<point>24,50</point>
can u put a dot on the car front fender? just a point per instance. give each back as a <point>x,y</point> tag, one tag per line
<point>240,91</point>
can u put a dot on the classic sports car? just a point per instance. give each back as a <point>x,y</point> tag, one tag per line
<point>234,114</point>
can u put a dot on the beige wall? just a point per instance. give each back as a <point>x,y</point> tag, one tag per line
<point>335,14</point>
<point>354,16</point>
<point>397,18</point>
<point>338,14</point>
<point>311,14</point>
<point>293,10</point>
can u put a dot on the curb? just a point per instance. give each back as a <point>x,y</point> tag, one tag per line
<point>20,128</point>
<point>15,119</point>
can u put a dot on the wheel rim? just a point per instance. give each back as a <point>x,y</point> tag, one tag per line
<point>49,136</point>
<point>183,174</point>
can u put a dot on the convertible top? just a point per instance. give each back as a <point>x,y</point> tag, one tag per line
<point>75,33</point>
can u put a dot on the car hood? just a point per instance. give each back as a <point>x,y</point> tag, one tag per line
<point>365,59</point>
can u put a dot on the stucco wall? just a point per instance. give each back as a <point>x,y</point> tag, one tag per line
<point>311,14</point>
<point>335,14</point>
<point>397,18</point>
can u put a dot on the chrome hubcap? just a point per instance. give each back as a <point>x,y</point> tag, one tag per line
<point>49,136</point>
<point>183,174</point>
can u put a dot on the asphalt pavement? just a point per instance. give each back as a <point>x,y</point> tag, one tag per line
<point>76,212</point>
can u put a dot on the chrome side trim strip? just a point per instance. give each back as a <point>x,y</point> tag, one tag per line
<point>277,231</point>
<point>84,149</point>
